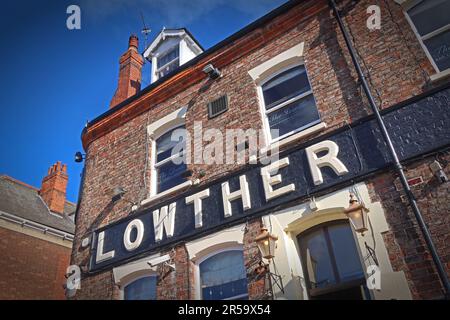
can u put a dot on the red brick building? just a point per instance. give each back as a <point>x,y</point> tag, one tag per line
<point>36,234</point>
<point>151,228</point>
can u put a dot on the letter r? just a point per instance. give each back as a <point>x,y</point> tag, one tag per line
<point>328,160</point>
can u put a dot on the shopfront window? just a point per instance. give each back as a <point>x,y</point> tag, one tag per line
<point>331,262</point>
<point>141,289</point>
<point>223,276</point>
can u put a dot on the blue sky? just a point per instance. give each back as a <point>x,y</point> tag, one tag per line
<point>53,79</point>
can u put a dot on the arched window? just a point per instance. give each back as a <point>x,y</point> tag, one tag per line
<point>170,166</point>
<point>143,288</point>
<point>223,276</point>
<point>289,103</point>
<point>331,262</point>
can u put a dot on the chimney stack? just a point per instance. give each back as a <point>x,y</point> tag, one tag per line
<point>130,69</point>
<point>53,189</point>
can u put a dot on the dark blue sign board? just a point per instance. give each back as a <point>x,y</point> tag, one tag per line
<point>416,128</point>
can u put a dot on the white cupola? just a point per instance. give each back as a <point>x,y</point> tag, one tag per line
<point>171,49</point>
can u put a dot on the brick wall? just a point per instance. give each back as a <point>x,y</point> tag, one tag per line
<point>176,284</point>
<point>31,268</point>
<point>407,248</point>
<point>398,70</point>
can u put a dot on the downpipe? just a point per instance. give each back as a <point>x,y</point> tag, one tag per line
<point>396,162</point>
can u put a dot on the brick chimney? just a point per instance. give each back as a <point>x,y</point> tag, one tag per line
<point>131,63</point>
<point>53,189</point>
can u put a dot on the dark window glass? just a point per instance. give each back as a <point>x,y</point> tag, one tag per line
<point>318,260</point>
<point>439,48</point>
<point>166,143</point>
<point>169,68</point>
<point>298,114</point>
<point>430,15</point>
<point>432,19</point>
<point>170,160</point>
<point>345,253</point>
<point>285,86</point>
<point>168,57</point>
<point>141,289</point>
<point>330,256</point>
<point>223,276</point>
<point>171,174</point>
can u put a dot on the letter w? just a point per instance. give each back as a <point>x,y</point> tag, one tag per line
<point>164,219</point>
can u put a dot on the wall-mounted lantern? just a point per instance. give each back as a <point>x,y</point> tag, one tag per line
<point>357,214</point>
<point>266,243</point>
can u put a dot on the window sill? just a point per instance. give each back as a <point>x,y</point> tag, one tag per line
<point>440,75</point>
<point>279,144</point>
<point>167,192</point>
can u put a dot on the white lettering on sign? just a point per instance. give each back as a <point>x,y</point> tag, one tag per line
<point>164,219</point>
<point>328,160</point>
<point>243,193</point>
<point>269,180</point>
<point>100,255</point>
<point>197,200</point>
<point>139,226</point>
<point>320,155</point>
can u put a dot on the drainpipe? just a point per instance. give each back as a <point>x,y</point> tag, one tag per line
<point>397,165</point>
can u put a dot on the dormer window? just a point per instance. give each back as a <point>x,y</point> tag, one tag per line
<point>168,61</point>
<point>171,49</point>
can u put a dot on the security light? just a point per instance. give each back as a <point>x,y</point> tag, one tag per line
<point>437,170</point>
<point>211,71</point>
<point>117,193</point>
<point>79,156</point>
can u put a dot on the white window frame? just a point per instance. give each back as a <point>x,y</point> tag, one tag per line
<point>284,104</point>
<point>155,130</point>
<point>267,70</point>
<point>156,165</point>
<point>159,69</point>
<point>198,282</point>
<point>408,5</point>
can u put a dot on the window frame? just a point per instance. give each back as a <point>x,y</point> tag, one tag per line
<point>198,282</point>
<point>160,68</point>
<point>314,292</point>
<point>282,105</point>
<point>155,165</point>
<point>409,5</point>
<point>136,278</point>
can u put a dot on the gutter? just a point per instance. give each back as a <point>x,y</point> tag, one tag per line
<point>36,226</point>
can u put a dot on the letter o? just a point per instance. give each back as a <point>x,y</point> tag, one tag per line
<point>129,245</point>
